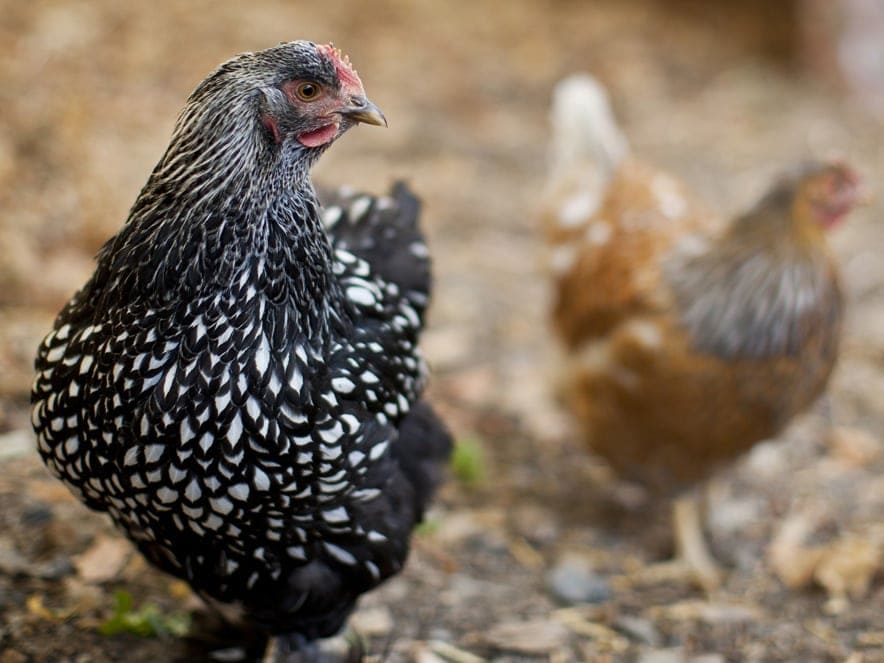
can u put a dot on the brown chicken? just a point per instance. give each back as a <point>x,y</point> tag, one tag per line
<point>687,340</point>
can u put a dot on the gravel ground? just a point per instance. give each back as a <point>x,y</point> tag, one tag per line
<point>539,553</point>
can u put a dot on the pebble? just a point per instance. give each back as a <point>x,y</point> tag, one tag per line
<point>36,515</point>
<point>422,654</point>
<point>12,656</point>
<point>854,447</point>
<point>104,560</point>
<point>572,581</point>
<point>534,637</point>
<point>677,655</point>
<point>372,622</point>
<point>56,568</point>
<point>446,347</point>
<point>674,655</point>
<point>640,629</point>
<point>11,561</point>
<point>537,525</point>
<point>17,443</point>
<point>228,655</point>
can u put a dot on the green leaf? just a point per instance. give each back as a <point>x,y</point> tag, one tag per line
<point>427,528</point>
<point>468,461</point>
<point>148,621</point>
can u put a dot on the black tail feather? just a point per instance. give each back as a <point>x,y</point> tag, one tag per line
<point>384,231</point>
<point>423,450</point>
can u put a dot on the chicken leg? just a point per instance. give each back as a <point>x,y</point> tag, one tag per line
<point>690,544</point>
<point>692,562</point>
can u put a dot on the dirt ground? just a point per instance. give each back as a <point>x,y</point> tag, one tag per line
<point>539,553</point>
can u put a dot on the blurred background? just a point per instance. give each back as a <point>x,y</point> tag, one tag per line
<point>722,94</point>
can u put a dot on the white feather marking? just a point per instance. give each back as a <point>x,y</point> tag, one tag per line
<point>213,522</point>
<point>262,355</point>
<point>343,385</point>
<point>361,296</point>
<point>359,207</point>
<point>378,450</point>
<point>332,434</point>
<point>167,495</point>
<point>339,553</point>
<point>336,515</point>
<point>186,433</point>
<point>153,452</point>
<point>234,431</point>
<point>56,353</point>
<point>261,480</point>
<point>331,215</point>
<point>221,505</point>
<point>193,491</point>
<point>239,491</point>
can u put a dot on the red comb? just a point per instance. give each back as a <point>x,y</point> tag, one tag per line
<point>346,73</point>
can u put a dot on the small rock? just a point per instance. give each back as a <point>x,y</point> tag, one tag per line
<point>84,598</point>
<point>572,581</point>
<point>673,655</point>
<point>537,525</point>
<point>582,622</point>
<point>446,347</point>
<point>677,655</point>
<point>12,562</point>
<point>854,447</point>
<point>732,516</point>
<point>535,637</point>
<point>104,560</point>
<point>640,629</point>
<point>458,526</point>
<point>462,587</point>
<point>767,461</point>
<point>446,651</point>
<point>422,654</point>
<point>36,515</point>
<point>17,443</point>
<point>56,568</point>
<point>440,633</point>
<point>228,655</point>
<point>372,622</point>
<point>12,656</point>
<point>477,385</point>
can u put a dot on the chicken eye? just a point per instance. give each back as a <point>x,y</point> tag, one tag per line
<point>308,91</point>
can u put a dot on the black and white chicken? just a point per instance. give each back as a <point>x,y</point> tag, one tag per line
<point>239,384</point>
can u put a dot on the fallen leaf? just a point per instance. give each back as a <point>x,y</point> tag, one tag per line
<point>36,606</point>
<point>710,612</point>
<point>791,559</point>
<point>848,565</point>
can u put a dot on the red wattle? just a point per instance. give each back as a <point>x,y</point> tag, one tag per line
<point>319,136</point>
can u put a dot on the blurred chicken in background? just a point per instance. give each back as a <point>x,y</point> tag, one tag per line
<point>687,339</point>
